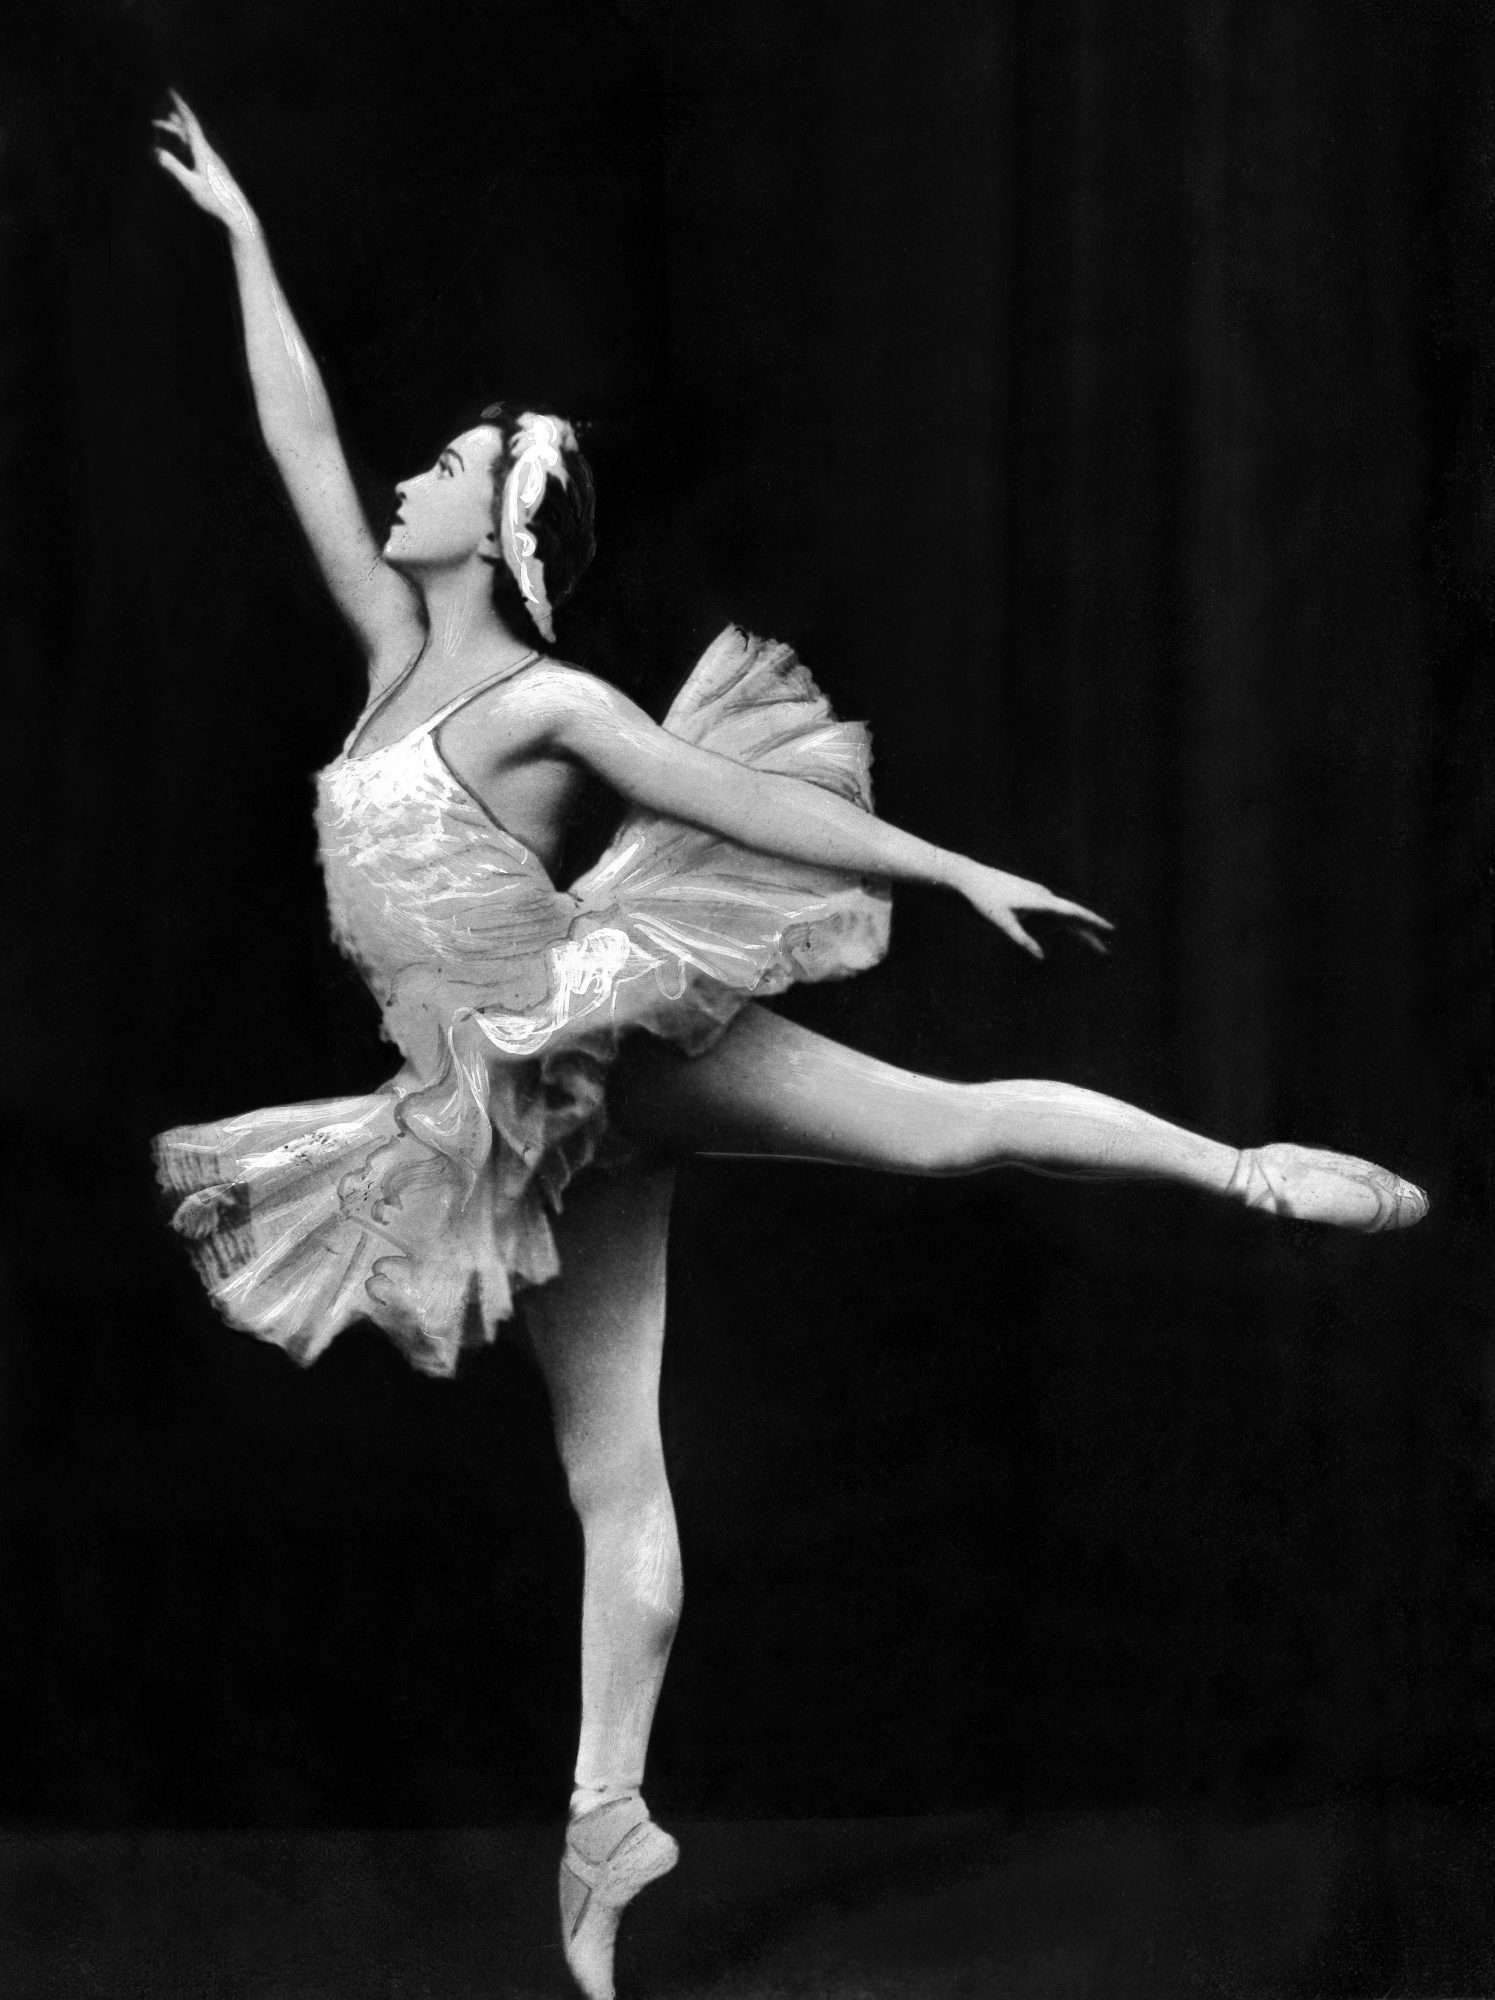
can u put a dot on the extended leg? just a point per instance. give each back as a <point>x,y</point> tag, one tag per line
<point>597,1332</point>
<point>770,1087</point>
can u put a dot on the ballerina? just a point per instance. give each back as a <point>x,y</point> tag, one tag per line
<point>563,1049</point>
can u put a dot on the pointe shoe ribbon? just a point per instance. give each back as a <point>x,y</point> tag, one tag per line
<point>611,1853</point>
<point>1334,1188</point>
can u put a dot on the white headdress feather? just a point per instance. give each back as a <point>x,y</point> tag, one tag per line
<point>538,444</point>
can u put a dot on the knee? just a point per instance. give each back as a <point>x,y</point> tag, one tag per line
<point>966,1137</point>
<point>628,1530</point>
<point>613,1480</point>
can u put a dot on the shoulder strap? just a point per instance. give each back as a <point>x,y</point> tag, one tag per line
<point>434,722</point>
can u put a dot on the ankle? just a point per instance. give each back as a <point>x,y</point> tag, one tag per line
<point>1247,1183</point>
<point>591,1798</point>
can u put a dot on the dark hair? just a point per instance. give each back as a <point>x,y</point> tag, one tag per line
<point>561,525</point>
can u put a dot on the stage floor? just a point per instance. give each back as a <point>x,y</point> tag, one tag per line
<point>1094,1906</point>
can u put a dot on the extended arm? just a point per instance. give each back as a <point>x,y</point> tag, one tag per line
<point>296,417</point>
<point>605,731</point>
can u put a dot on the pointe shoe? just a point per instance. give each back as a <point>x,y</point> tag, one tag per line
<point>1333,1188</point>
<point>611,1853</point>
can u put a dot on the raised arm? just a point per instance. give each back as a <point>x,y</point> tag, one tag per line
<point>296,417</point>
<point>594,724</point>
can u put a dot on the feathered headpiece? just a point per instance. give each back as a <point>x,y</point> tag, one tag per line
<point>538,443</point>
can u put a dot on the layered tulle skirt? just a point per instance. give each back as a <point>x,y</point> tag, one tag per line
<point>426,1205</point>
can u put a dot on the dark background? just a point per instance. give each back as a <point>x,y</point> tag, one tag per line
<point>1099,398</point>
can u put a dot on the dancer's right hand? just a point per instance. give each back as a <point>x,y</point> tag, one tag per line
<point>205,176</point>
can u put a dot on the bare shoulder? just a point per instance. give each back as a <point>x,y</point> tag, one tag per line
<point>560,680</point>
<point>553,693</point>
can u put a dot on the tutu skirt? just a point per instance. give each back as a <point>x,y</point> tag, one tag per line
<point>426,1205</point>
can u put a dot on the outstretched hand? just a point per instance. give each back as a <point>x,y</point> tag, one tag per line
<point>204,175</point>
<point>998,897</point>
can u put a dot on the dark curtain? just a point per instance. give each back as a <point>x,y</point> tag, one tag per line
<point>1099,399</point>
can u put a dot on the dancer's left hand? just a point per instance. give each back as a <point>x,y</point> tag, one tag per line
<point>999,896</point>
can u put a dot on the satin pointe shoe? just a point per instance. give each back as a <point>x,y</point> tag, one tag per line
<point>1334,1188</point>
<point>611,1853</point>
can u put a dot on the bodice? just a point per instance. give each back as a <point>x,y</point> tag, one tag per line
<point>419,873</point>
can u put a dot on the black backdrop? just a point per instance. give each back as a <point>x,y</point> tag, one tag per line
<point>1096,397</point>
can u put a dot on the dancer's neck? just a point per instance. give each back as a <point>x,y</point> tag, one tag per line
<point>464,621</point>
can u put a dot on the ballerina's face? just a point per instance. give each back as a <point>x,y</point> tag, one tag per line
<point>446,513</point>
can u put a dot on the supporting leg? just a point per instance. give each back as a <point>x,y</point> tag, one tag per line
<point>597,1332</point>
<point>772,1088</point>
